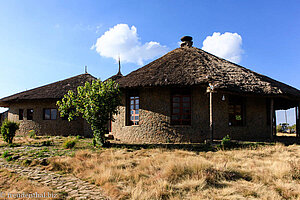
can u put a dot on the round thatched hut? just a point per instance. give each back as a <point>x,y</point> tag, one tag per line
<point>189,95</point>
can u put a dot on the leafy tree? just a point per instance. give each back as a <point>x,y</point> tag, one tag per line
<point>8,130</point>
<point>96,102</point>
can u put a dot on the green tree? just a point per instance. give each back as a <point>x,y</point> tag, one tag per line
<point>96,102</point>
<point>8,130</point>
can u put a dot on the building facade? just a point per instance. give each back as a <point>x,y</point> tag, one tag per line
<point>189,95</point>
<point>36,109</point>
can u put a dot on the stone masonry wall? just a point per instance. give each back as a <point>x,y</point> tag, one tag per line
<point>155,127</point>
<point>45,127</point>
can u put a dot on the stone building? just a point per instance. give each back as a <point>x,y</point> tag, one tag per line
<point>3,116</point>
<point>36,109</point>
<point>189,95</point>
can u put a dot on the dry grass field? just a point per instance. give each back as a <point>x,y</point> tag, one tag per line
<point>266,172</point>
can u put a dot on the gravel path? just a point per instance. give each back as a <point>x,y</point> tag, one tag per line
<point>76,188</point>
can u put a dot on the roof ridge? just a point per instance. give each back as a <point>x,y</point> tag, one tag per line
<point>47,85</point>
<point>194,66</point>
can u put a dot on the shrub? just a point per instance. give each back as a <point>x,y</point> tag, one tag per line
<point>9,158</point>
<point>226,142</point>
<point>5,154</point>
<point>8,130</point>
<point>79,137</point>
<point>32,134</point>
<point>69,144</point>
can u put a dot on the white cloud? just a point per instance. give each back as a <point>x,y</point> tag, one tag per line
<point>124,41</point>
<point>227,46</point>
<point>98,28</point>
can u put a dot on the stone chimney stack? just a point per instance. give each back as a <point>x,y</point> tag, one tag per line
<point>186,41</point>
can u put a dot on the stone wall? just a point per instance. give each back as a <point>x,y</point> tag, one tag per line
<point>3,116</point>
<point>155,127</point>
<point>45,127</point>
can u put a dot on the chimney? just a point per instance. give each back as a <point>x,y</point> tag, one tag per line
<point>186,41</point>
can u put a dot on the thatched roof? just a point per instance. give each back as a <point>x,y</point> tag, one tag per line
<point>51,91</point>
<point>115,77</point>
<point>188,66</point>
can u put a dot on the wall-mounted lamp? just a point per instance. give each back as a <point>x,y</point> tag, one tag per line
<point>223,97</point>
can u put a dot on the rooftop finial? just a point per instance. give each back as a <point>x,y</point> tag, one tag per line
<point>186,41</point>
<point>119,72</point>
<point>85,69</point>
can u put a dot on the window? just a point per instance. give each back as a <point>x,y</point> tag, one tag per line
<point>29,114</point>
<point>133,102</point>
<point>181,107</point>
<point>236,111</point>
<point>50,114</point>
<point>21,114</point>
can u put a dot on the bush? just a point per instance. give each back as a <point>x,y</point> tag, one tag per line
<point>69,144</point>
<point>226,142</point>
<point>32,134</point>
<point>8,130</point>
<point>9,158</point>
<point>79,137</point>
<point>5,154</point>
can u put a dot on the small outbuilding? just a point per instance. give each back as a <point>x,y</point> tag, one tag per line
<point>36,109</point>
<point>189,95</point>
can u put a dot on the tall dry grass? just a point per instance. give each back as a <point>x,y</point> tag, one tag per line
<point>270,172</point>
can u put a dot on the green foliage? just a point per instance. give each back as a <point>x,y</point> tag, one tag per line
<point>32,134</point>
<point>9,158</point>
<point>96,102</point>
<point>69,143</point>
<point>226,142</point>
<point>79,137</point>
<point>5,154</point>
<point>8,130</point>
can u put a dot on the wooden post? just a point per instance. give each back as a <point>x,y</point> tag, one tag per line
<point>272,119</point>
<point>274,126</point>
<point>211,123</point>
<point>297,109</point>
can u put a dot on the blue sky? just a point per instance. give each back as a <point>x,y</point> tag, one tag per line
<point>46,41</point>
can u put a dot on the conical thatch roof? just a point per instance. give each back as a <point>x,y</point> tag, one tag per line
<point>188,66</point>
<point>51,91</point>
<point>115,77</point>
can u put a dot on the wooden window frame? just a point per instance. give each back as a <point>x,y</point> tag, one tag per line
<point>131,114</point>
<point>21,114</point>
<point>50,116</point>
<point>234,102</point>
<point>181,94</point>
<point>29,113</point>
